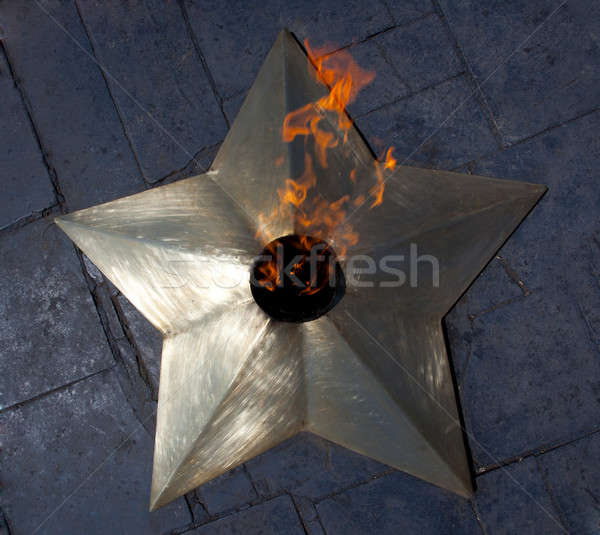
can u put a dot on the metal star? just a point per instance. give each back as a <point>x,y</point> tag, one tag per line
<point>372,374</point>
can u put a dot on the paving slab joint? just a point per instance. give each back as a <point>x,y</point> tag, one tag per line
<point>103,73</point>
<point>472,80</point>
<point>202,58</point>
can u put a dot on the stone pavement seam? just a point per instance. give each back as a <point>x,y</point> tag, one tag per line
<point>229,512</point>
<point>411,94</point>
<point>537,452</point>
<point>471,163</point>
<point>31,218</point>
<point>588,324</point>
<point>36,132</point>
<point>249,476</point>
<point>302,522</point>
<point>513,275</point>
<point>354,485</point>
<point>501,304</point>
<point>376,34</point>
<point>125,380</point>
<point>196,44</point>
<point>53,390</point>
<point>553,499</point>
<point>480,96</point>
<point>477,516</point>
<point>185,170</point>
<point>110,92</point>
<point>141,365</point>
<point>5,528</point>
<point>552,127</point>
<point>380,48</point>
<point>389,11</point>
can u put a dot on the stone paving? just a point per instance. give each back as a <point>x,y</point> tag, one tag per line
<point>100,100</point>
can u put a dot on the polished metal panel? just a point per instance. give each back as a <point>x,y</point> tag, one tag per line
<point>373,373</point>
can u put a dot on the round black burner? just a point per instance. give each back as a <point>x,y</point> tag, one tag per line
<point>297,278</point>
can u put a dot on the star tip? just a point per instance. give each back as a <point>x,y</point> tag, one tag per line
<point>154,504</point>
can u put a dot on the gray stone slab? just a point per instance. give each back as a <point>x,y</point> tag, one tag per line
<point>440,127</point>
<point>77,120</point>
<point>147,340</point>
<point>573,476</point>
<point>404,11</point>
<point>26,186</point>
<point>397,503</point>
<point>79,458</point>
<point>229,491</point>
<point>421,53</point>
<point>309,466</point>
<point>514,499</point>
<point>235,37</point>
<point>543,248</point>
<point>558,245</point>
<point>492,288</point>
<point>273,517</point>
<point>553,77</point>
<point>50,332</point>
<point>157,79</point>
<point>533,378</point>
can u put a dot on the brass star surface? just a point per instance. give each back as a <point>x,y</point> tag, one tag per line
<point>372,374</point>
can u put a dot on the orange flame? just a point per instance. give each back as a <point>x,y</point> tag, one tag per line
<point>314,215</point>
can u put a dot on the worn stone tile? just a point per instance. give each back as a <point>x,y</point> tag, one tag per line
<point>307,465</point>
<point>26,186</point>
<point>533,378</point>
<point>274,517</point>
<point>84,446</point>
<point>50,333</point>
<point>572,474</point>
<point>441,127</point>
<point>147,339</point>
<point>71,106</point>
<point>421,53</point>
<point>397,503</point>
<point>551,78</point>
<point>229,491</point>
<point>514,499</point>
<point>404,11</point>
<point>235,38</point>
<point>492,288</point>
<point>156,76</point>
<point>556,246</point>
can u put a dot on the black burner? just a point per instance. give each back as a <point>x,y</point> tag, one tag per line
<point>297,278</point>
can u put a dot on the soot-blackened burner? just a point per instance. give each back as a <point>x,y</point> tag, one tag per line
<point>371,374</point>
<point>297,278</point>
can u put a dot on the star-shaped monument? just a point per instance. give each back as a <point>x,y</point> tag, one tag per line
<point>372,373</point>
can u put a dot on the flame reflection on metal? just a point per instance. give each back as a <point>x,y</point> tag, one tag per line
<point>372,374</point>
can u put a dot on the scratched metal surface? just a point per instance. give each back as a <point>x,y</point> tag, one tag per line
<point>372,375</point>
